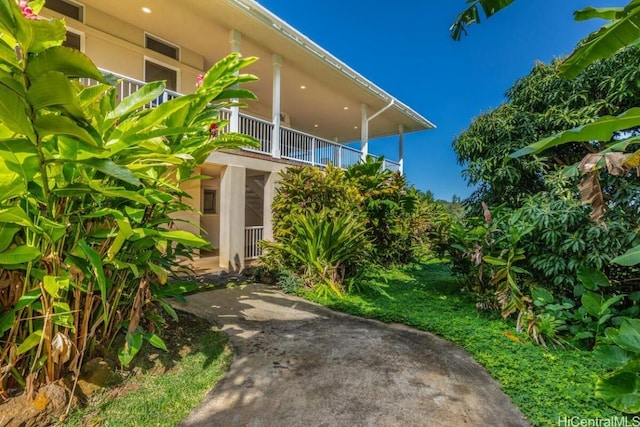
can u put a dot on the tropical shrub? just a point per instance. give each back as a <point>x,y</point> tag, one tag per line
<point>565,239</point>
<point>390,210</point>
<point>392,223</point>
<point>304,190</point>
<point>88,188</point>
<point>326,247</point>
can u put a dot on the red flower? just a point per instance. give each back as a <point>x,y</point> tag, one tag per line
<point>213,130</point>
<point>199,79</point>
<point>26,10</point>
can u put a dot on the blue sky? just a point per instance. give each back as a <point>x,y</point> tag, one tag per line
<point>405,48</point>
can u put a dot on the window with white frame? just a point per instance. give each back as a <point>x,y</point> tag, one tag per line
<point>163,47</point>
<point>154,71</point>
<point>67,8</point>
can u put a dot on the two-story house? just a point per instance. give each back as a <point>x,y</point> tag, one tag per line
<point>313,108</point>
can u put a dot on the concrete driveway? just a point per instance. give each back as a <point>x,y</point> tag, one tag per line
<point>300,364</point>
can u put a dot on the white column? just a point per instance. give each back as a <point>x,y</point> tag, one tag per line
<point>232,211</point>
<point>364,132</point>
<point>275,138</point>
<point>401,148</point>
<point>235,38</point>
<point>271,181</point>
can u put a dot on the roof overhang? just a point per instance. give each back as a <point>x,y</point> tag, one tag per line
<point>330,103</point>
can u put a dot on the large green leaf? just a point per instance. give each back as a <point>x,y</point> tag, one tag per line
<point>600,130</point>
<point>124,232</point>
<point>63,315</point>
<point>142,96</point>
<point>155,341</point>
<point>53,285</point>
<point>133,343</point>
<point>19,255</point>
<point>98,270</point>
<point>20,157</point>
<point>50,124</point>
<point>30,342</point>
<point>612,356</point>
<point>15,215</point>
<point>7,231</point>
<point>629,258</point>
<point>112,169</point>
<point>592,279</point>
<point>6,321</point>
<point>46,33</point>
<point>53,89</point>
<point>8,55</point>
<point>117,192</point>
<point>70,62</point>
<point>608,13</point>
<point>151,120</point>
<point>184,237</point>
<point>14,113</point>
<point>28,299</point>
<point>471,15</point>
<point>603,43</point>
<point>592,302</point>
<point>7,17</point>
<point>620,390</point>
<point>629,336</point>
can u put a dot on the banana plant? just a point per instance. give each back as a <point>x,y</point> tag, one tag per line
<point>90,197</point>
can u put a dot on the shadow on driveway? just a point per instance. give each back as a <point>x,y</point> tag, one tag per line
<point>300,364</point>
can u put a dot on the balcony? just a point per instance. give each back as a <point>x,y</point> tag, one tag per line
<point>295,146</point>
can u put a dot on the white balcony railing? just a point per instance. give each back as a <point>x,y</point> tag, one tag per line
<point>252,236</point>
<point>126,86</point>
<point>294,145</point>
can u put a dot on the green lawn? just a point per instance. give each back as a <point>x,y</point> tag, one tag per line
<point>546,385</point>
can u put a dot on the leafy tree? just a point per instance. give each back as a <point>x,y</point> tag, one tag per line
<point>539,105</point>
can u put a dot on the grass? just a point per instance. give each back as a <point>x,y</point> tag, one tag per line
<point>546,385</point>
<point>162,387</point>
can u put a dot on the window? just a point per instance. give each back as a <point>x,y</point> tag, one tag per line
<point>74,40</point>
<point>154,72</point>
<point>66,8</point>
<point>209,202</point>
<point>160,46</point>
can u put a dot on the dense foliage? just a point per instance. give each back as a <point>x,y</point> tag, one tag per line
<point>610,137</point>
<point>331,224</point>
<point>538,105</point>
<point>89,184</point>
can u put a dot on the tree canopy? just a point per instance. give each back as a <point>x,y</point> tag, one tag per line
<point>538,105</point>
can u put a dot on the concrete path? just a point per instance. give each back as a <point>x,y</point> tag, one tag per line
<point>300,364</point>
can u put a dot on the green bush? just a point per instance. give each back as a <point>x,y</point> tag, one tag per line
<point>326,248</point>
<point>88,189</point>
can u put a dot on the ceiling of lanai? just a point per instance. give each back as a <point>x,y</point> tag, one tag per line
<point>329,104</point>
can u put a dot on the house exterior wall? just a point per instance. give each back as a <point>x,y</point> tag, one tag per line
<point>117,46</point>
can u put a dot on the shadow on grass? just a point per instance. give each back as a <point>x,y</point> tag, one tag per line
<point>161,387</point>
